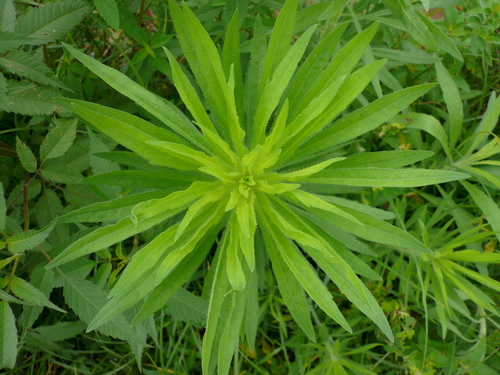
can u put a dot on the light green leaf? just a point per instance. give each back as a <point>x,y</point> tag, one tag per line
<point>444,42</point>
<point>25,156</point>
<point>363,120</point>
<point>3,209</point>
<point>384,177</point>
<point>167,179</point>
<point>473,256</point>
<point>8,336</point>
<point>165,111</point>
<point>110,210</point>
<point>20,242</point>
<point>58,140</point>
<point>28,66</point>
<point>382,159</point>
<point>487,281</point>
<point>51,21</point>
<point>7,19</point>
<point>109,11</point>
<point>453,102</point>
<point>28,292</point>
<point>487,205</point>
<point>291,290</point>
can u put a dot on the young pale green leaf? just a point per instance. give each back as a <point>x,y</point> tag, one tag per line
<point>51,21</point>
<point>26,65</point>
<point>487,205</point>
<point>363,120</point>
<point>487,281</point>
<point>453,102</point>
<point>275,87</point>
<point>235,272</point>
<point>28,292</point>
<point>110,210</point>
<point>58,140</point>
<point>20,242</point>
<point>384,177</point>
<point>309,171</point>
<point>109,11</point>
<point>165,111</point>
<point>8,336</point>
<point>25,155</point>
<point>3,209</point>
<point>291,290</point>
<point>7,18</point>
<point>473,256</point>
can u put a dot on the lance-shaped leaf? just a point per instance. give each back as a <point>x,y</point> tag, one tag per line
<point>8,336</point>
<point>28,292</point>
<point>28,240</point>
<point>58,140</point>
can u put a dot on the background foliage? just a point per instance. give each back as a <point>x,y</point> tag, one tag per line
<point>441,308</point>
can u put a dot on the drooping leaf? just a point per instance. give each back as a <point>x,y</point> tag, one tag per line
<point>27,240</point>
<point>28,292</point>
<point>109,11</point>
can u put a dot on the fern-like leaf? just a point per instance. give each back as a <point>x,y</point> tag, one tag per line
<point>29,99</point>
<point>53,20</point>
<point>27,66</point>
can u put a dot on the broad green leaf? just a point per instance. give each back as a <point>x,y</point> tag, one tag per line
<point>487,205</point>
<point>382,159</point>
<point>61,331</point>
<point>3,209</point>
<point>384,177</point>
<point>13,40</point>
<point>43,280</point>
<point>60,174</point>
<point>165,111</point>
<point>58,140</point>
<point>51,21</point>
<point>291,290</point>
<point>453,102</point>
<point>28,292</point>
<point>20,242</point>
<point>363,120</point>
<point>109,11</point>
<point>7,19</point>
<point>4,296</point>
<point>26,65</point>
<point>25,155</point>
<point>110,210</point>
<point>168,179</point>
<point>8,336</point>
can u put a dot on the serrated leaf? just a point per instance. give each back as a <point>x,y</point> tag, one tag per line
<point>8,336</point>
<point>109,11</point>
<point>26,65</point>
<point>27,240</point>
<point>11,40</point>
<point>188,307</point>
<point>43,280</point>
<point>25,156</point>
<point>7,16</point>
<point>61,330</point>
<point>51,21</point>
<point>58,140</point>
<point>28,292</point>
<point>86,299</point>
<point>29,99</point>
